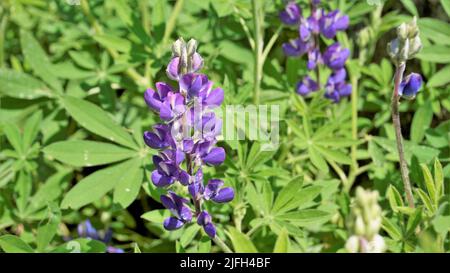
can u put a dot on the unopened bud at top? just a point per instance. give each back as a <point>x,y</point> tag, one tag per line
<point>407,44</point>
<point>191,47</point>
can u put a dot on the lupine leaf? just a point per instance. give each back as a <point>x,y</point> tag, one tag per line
<point>96,185</point>
<point>87,153</point>
<point>94,119</point>
<point>13,244</point>
<point>241,242</point>
<point>22,86</point>
<point>282,243</point>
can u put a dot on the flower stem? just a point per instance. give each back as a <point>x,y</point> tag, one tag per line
<point>259,44</point>
<point>222,245</point>
<point>400,69</point>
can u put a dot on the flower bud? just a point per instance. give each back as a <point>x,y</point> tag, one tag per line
<point>402,31</point>
<point>352,244</point>
<point>414,47</point>
<point>191,47</point>
<point>177,47</point>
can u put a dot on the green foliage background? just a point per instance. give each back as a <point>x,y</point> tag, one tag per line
<point>72,114</point>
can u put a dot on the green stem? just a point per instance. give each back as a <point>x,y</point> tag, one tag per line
<point>271,42</point>
<point>258,14</point>
<point>222,245</point>
<point>172,21</point>
<point>3,25</point>
<point>400,69</point>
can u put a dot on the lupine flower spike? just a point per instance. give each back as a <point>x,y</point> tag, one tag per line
<point>364,223</point>
<point>186,138</point>
<point>404,47</point>
<point>319,22</point>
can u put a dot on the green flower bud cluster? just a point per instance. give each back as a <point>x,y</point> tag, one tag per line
<point>364,223</point>
<point>407,44</point>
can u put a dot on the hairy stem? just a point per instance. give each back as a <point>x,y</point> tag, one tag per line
<point>400,69</point>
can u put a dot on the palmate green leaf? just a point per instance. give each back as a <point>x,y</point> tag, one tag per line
<point>421,121</point>
<point>435,54</point>
<point>413,222</point>
<point>302,198</point>
<point>423,153</point>
<point>49,191</point>
<point>394,198</point>
<point>438,178</point>
<point>410,6</point>
<point>188,235</point>
<point>305,217</point>
<point>440,78</point>
<point>391,229</point>
<point>436,30</point>
<point>94,119</point>
<point>88,153</point>
<point>156,216</point>
<point>13,244</point>
<point>22,86</point>
<point>126,191</point>
<point>31,130</point>
<point>204,245</point>
<point>22,190</point>
<point>287,193</point>
<point>429,184</point>
<point>14,137</point>
<point>426,200</point>
<point>334,155</point>
<point>317,159</point>
<point>38,60</point>
<point>241,242</point>
<point>282,243</point>
<point>46,231</point>
<point>96,185</point>
<point>114,42</point>
<point>83,59</point>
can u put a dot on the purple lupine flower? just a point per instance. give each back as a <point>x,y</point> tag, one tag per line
<point>309,30</point>
<point>291,14</point>
<point>86,230</point>
<point>306,86</point>
<point>294,47</point>
<point>215,192</point>
<point>333,22</point>
<point>177,206</point>
<point>204,220</point>
<point>335,56</point>
<point>410,86</point>
<point>187,139</point>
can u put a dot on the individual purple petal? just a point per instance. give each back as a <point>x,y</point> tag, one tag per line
<point>168,203</point>
<point>215,98</point>
<point>332,22</point>
<point>314,58</point>
<point>173,69</point>
<point>215,156</point>
<point>338,76</point>
<point>210,229</point>
<point>224,195</point>
<point>107,237</point>
<point>197,62</point>
<point>183,177</point>
<point>291,14</point>
<point>161,180</point>
<point>306,86</point>
<point>410,86</point>
<point>86,230</point>
<point>154,141</point>
<point>333,95</point>
<point>203,218</point>
<point>212,188</point>
<point>152,99</point>
<point>191,84</point>
<point>294,48</point>
<point>344,89</point>
<point>335,56</point>
<point>185,213</point>
<point>172,223</point>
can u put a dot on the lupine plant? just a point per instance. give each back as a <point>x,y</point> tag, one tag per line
<point>106,114</point>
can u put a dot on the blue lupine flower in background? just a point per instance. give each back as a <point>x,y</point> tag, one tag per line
<point>410,86</point>
<point>319,22</point>
<point>86,230</point>
<point>187,138</point>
